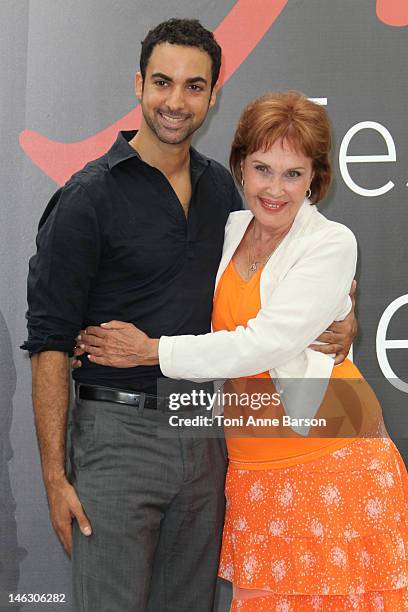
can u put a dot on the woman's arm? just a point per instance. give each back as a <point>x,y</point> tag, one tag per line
<point>309,298</point>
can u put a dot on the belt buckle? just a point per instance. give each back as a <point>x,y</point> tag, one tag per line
<point>130,398</point>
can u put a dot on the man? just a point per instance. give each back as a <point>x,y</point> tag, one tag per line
<point>137,236</point>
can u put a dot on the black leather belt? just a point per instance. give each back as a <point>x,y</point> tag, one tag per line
<point>116,396</point>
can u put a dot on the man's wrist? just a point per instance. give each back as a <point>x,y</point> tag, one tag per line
<point>53,477</point>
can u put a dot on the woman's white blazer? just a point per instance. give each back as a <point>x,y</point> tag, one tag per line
<point>304,287</point>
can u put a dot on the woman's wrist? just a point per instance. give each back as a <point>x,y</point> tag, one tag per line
<point>152,352</point>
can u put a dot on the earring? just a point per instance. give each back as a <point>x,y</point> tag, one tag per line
<point>308,193</point>
<point>242,181</point>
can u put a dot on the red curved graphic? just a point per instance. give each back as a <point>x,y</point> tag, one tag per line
<point>59,160</point>
<point>247,22</point>
<point>393,12</point>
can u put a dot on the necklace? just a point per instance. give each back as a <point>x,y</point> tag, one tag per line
<point>255,264</point>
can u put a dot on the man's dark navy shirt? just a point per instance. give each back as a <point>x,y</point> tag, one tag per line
<point>114,243</point>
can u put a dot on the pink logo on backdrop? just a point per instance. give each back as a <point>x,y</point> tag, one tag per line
<point>248,21</point>
<point>393,12</point>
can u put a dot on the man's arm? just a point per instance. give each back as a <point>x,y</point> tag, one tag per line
<point>60,274</point>
<point>50,378</point>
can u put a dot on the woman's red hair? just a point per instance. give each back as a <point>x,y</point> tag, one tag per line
<point>291,117</point>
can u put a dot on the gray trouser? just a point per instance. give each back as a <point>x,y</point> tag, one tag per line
<point>156,506</point>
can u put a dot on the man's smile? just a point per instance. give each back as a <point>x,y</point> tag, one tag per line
<point>172,121</point>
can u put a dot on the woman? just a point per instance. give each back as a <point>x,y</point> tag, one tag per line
<point>311,523</point>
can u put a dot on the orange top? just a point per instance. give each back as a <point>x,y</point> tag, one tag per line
<point>235,302</point>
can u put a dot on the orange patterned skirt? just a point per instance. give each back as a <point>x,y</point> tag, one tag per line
<point>329,535</point>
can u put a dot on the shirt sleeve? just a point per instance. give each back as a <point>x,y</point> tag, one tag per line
<point>62,271</point>
<point>306,301</point>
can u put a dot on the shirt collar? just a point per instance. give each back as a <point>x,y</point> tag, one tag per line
<point>121,151</point>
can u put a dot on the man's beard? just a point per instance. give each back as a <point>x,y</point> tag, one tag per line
<point>165,135</point>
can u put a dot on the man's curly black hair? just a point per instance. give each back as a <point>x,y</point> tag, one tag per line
<point>186,32</point>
